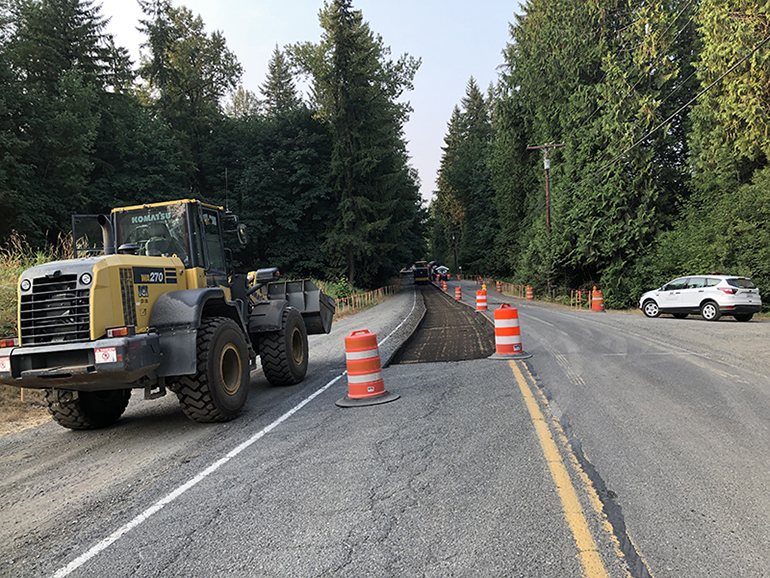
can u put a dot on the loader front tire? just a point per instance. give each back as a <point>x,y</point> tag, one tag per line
<point>87,409</point>
<point>283,353</point>
<point>217,392</point>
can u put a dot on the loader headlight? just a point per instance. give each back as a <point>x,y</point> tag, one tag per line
<point>25,285</point>
<point>86,278</point>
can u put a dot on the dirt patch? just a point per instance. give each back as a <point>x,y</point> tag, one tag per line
<point>17,415</point>
<point>448,332</point>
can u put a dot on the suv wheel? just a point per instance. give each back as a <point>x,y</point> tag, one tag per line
<point>710,311</point>
<point>651,308</point>
<point>743,316</point>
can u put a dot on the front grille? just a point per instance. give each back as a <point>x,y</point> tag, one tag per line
<point>56,311</point>
<point>127,295</point>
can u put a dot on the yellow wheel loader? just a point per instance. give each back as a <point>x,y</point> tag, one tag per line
<point>158,308</point>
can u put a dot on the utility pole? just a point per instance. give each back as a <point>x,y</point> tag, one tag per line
<point>547,166</point>
<point>454,243</point>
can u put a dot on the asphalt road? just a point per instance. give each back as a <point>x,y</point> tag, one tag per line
<point>674,415</point>
<point>469,473</point>
<point>449,480</point>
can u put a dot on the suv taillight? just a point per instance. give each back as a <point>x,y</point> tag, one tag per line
<point>728,290</point>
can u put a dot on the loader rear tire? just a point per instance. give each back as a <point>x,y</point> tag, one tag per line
<point>217,392</point>
<point>283,353</point>
<point>87,409</point>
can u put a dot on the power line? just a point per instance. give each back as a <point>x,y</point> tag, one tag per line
<point>665,122</point>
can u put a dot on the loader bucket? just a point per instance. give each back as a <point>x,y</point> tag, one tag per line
<point>316,307</point>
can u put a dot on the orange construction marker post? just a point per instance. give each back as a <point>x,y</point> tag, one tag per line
<point>481,300</point>
<point>458,293</point>
<point>365,383</point>
<point>508,334</point>
<point>499,286</point>
<point>597,300</point>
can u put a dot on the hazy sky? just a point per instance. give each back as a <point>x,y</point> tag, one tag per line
<point>456,39</point>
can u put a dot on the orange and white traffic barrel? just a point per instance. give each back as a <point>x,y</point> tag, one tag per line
<point>499,286</point>
<point>597,300</point>
<point>365,383</point>
<point>458,293</point>
<point>508,334</point>
<point>530,293</point>
<point>443,286</point>
<point>481,300</point>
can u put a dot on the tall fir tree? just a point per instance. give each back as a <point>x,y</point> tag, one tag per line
<point>278,89</point>
<point>378,226</point>
<point>188,73</point>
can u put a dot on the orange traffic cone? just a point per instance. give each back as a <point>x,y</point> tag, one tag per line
<point>508,334</point>
<point>597,300</point>
<point>365,384</point>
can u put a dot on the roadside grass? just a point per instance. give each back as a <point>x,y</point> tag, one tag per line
<point>19,411</point>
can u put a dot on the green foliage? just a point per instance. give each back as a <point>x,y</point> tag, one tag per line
<point>77,135</point>
<point>597,76</point>
<point>377,225</point>
<point>17,255</point>
<point>188,73</point>
<point>465,211</point>
<point>341,288</point>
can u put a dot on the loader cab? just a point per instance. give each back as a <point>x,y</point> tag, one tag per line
<point>189,229</point>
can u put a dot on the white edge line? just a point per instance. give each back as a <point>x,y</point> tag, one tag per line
<point>160,504</point>
<point>115,536</point>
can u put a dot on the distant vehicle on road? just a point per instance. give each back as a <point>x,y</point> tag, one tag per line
<point>442,273</point>
<point>711,296</point>
<point>421,274</point>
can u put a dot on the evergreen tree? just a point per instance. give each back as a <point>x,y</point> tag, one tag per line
<point>598,76</point>
<point>188,74</point>
<point>725,224</point>
<point>378,225</point>
<point>465,199</point>
<point>279,90</point>
<point>64,65</point>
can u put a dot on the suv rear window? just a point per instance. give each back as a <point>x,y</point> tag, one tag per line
<point>741,282</point>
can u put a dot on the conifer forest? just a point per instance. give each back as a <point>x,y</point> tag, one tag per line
<point>654,116</point>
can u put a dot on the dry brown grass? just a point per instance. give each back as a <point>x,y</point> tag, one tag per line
<point>16,256</point>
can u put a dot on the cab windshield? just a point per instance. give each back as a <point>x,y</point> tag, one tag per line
<point>156,230</point>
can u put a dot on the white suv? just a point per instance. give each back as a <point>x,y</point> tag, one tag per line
<point>710,295</point>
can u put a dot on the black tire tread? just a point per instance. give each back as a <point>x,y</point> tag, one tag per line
<point>193,390</point>
<point>274,356</point>
<point>75,414</point>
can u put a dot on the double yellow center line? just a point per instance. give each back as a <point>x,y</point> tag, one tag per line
<point>588,553</point>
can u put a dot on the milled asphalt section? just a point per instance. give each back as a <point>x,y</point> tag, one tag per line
<point>637,567</point>
<point>448,332</point>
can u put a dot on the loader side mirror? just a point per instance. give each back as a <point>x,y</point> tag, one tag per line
<point>243,234</point>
